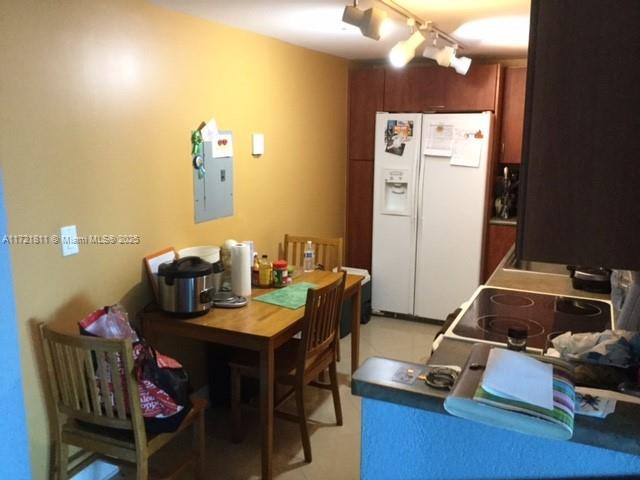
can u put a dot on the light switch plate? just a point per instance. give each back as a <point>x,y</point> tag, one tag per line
<point>257,144</point>
<point>69,240</point>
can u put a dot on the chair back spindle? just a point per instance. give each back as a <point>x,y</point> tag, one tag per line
<point>92,379</point>
<point>328,251</point>
<point>320,324</point>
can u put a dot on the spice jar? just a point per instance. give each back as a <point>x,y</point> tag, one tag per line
<point>280,273</point>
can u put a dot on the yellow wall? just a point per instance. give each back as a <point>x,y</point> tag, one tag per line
<point>97,102</point>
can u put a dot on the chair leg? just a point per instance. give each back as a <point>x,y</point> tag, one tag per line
<point>236,398</point>
<point>302,420</point>
<point>199,446</point>
<point>142,467</point>
<point>62,462</point>
<point>335,390</point>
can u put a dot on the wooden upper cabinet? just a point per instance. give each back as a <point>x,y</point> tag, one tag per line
<point>413,89</point>
<point>515,80</point>
<point>580,167</point>
<point>359,214</point>
<point>476,91</point>
<point>366,89</point>
<point>425,88</point>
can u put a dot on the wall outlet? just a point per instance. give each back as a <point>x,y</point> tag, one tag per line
<point>69,240</point>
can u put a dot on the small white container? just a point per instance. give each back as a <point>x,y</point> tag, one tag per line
<point>208,253</point>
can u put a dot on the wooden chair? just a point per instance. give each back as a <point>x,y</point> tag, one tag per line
<point>113,429</point>
<point>299,362</point>
<point>328,251</point>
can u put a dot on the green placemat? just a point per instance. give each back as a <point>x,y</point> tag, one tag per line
<point>294,296</point>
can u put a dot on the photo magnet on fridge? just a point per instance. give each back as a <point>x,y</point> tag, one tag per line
<point>396,135</point>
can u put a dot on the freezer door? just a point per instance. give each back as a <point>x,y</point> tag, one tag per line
<point>394,211</point>
<point>451,211</point>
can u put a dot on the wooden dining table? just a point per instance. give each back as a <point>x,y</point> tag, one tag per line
<point>261,327</point>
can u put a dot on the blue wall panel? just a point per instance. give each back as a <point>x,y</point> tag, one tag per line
<point>402,443</point>
<point>14,447</point>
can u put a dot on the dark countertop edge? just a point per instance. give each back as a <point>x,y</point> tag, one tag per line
<point>368,382</point>
<point>512,222</point>
<point>618,432</point>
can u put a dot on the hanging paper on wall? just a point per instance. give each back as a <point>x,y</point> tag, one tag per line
<point>439,140</point>
<point>210,130</point>
<point>223,146</point>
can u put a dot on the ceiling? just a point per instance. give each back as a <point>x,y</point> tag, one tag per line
<point>318,24</point>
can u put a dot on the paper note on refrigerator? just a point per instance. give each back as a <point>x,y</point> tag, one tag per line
<point>439,140</point>
<point>467,148</point>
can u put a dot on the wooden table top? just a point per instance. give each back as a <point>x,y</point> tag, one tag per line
<point>256,319</point>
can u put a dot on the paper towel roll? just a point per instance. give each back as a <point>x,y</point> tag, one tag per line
<point>241,270</point>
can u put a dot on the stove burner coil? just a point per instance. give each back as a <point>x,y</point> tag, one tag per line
<point>512,300</point>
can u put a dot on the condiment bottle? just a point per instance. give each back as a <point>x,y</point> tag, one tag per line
<point>280,273</point>
<point>255,271</point>
<point>264,274</point>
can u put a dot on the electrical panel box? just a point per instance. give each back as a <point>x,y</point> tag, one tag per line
<point>213,189</point>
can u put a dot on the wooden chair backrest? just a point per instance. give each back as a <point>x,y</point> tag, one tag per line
<point>321,318</point>
<point>92,379</point>
<point>328,250</point>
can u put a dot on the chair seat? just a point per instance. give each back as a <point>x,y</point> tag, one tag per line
<point>247,363</point>
<point>124,438</point>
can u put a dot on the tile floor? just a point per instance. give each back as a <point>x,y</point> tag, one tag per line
<point>336,450</point>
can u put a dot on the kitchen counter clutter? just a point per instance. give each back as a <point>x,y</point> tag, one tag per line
<point>408,434</point>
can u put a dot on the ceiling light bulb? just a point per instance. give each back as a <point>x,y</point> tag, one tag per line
<point>403,52</point>
<point>373,22</point>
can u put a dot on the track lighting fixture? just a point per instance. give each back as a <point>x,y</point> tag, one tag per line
<point>404,51</point>
<point>373,22</point>
<point>446,57</point>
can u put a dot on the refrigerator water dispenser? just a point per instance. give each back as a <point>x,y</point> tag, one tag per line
<point>396,192</point>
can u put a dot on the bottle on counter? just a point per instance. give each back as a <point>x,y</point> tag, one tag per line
<point>265,272</point>
<point>255,270</point>
<point>309,260</point>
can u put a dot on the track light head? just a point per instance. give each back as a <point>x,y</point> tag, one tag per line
<point>373,22</point>
<point>446,57</point>
<point>461,64</point>
<point>404,51</point>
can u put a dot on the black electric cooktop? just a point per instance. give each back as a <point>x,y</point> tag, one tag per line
<point>494,310</point>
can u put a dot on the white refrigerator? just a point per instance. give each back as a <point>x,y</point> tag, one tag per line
<point>428,211</point>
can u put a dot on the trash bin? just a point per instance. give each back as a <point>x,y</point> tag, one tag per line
<point>365,305</point>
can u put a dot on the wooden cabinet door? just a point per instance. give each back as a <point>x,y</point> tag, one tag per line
<point>581,150</point>
<point>473,92</point>
<point>515,79</point>
<point>414,89</point>
<point>500,238</point>
<point>366,89</point>
<point>359,214</point>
